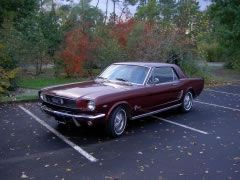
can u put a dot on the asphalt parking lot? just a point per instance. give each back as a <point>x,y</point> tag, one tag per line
<point>202,144</point>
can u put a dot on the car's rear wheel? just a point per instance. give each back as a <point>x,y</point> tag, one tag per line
<point>117,122</point>
<point>187,102</point>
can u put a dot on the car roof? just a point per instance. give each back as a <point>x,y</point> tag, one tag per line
<point>146,64</point>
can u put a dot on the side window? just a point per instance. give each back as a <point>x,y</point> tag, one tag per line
<point>162,75</point>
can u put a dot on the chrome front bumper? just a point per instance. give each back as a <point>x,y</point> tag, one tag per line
<point>73,116</point>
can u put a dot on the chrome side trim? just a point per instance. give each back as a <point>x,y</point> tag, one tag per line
<point>84,116</point>
<point>155,112</point>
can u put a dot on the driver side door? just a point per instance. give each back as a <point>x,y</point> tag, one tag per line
<point>163,87</point>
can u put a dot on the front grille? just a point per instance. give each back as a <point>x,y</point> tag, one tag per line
<point>60,101</point>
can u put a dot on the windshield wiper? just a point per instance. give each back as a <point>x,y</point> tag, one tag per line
<point>121,79</point>
<point>124,81</point>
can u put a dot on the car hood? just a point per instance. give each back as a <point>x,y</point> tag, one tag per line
<point>90,89</point>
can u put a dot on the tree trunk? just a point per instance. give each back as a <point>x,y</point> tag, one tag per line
<point>41,64</point>
<point>53,7</point>
<point>37,68</point>
<point>114,11</point>
<point>123,9</point>
<point>106,12</point>
<point>97,4</point>
<point>41,5</point>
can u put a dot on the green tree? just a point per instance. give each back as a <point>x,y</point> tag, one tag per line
<point>187,14</point>
<point>8,64</point>
<point>32,46</point>
<point>109,49</point>
<point>168,10</point>
<point>85,16</point>
<point>8,43</point>
<point>131,2</point>
<point>109,52</point>
<point>149,11</point>
<point>225,16</point>
<point>16,10</point>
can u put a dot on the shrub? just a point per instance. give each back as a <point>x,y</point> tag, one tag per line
<point>6,76</point>
<point>79,48</point>
<point>109,52</point>
<point>192,69</point>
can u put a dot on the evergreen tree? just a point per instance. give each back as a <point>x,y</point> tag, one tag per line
<point>225,15</point>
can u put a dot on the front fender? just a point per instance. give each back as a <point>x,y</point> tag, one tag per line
<point>124,103</point>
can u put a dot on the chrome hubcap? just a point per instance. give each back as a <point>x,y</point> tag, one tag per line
<point>187,101</point>
<point>120,121</point>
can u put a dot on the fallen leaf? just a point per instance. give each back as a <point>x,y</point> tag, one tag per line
<point>24,176</point>
<point>236,158</point>
<point>68,170</point>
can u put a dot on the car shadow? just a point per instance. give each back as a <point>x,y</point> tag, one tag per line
<point>86,135</point>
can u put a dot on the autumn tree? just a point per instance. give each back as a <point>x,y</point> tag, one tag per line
<point>79,48</point>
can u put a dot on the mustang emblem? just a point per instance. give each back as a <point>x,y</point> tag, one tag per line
<point>136,107</point>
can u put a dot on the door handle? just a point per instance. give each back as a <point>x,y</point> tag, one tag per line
<point>174,84</point>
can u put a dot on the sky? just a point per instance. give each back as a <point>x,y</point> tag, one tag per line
<point>102,5</point>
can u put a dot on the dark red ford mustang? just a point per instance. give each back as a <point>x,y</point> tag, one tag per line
<point>124,91</point>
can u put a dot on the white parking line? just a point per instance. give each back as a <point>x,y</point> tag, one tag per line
<point>181,125</point>
<point>223,92</point>
<point>215,105</point>
<point>59,135</point>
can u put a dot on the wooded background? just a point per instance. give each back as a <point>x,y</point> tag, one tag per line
<point>76,38</point>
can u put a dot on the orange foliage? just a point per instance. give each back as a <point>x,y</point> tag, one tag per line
<point>121,31</point>
<point>156,43</point>
<point>79,48</point>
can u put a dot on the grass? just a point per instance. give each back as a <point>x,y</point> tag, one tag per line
<point>28,85</point>
<point>18,98</point>
<point>40,82</point>
<point>31,85</point>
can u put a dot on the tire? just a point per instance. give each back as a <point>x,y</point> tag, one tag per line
<point>117,122</point>
<point>187,102</point>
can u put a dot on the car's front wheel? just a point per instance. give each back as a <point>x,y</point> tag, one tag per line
<point>187,102</point>
<point>117,122</point>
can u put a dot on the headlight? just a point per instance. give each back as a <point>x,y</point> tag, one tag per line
<point>42,96</point>
<point>91,105</point>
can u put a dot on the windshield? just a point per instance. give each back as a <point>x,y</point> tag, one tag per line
<point>125,73</point>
